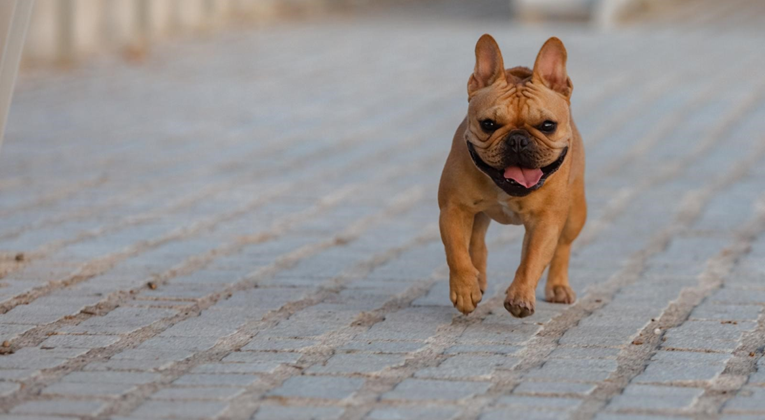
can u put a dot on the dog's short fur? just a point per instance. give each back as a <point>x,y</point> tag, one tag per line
<point>518,123</point>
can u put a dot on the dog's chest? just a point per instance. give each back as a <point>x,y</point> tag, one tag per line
<point>505,213</point>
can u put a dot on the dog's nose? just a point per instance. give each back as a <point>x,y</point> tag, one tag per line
<point>518,140</point>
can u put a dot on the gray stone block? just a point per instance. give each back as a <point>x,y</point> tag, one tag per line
<point>60,407</point>
<point>156,409</point>
<point>422,389</point>
<point>420,413</point>
<point>129,378</point>
<point>8,388</point>
<point>503,413</point>
<point>283,344</point>
<point>553,388</point>
<point>468,366</point>
<point>552,403</point>
<point>270,412</point>
<point>79,341</point>
<point>655,397</point>
<point>79,389</point>
<point>661,372</point>
<point>357,363</point>
<point>218,379</point>
<point>483,348</point>
<point>197,393</point>
<point>747,400</point>
<point>326,387</point>
<point>383,346</point>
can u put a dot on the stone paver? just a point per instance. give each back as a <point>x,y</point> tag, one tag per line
<point>245,227</point>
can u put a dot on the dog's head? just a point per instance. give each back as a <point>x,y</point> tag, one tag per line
<point>519,126</point>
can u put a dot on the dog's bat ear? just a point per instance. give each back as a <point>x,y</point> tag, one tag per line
<point>489,67</point>
<point>550,67</point>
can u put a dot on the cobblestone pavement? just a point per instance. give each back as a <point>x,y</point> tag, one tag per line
<point>245,227</point>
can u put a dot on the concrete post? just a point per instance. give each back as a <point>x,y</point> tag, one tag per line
<point>14,20</point>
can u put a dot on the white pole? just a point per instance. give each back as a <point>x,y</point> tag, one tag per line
<point>14,20</point>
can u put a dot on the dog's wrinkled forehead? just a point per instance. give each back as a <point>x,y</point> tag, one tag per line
<point>519,102</point>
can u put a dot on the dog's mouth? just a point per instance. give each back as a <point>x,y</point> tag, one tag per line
<point>515,180</point>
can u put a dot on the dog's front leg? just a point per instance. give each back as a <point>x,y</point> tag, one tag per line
<point>456,225</point>
<point>538,248</point>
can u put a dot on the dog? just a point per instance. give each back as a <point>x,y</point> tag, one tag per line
<point>517,158</point>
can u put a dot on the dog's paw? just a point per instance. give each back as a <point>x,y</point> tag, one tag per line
<point>559,294</point>
<point>465,292</point>
<point>519,303</point>
<point>482,283</point>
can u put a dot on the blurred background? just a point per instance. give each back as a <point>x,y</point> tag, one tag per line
<point>140,100</point>
<point>65,31</point>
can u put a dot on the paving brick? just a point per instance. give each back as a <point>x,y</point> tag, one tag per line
<point>187,410</point>
<point>258,357</point>
<point>129,378</point>
<point>207,325</point>
<point>166,344</point>
<point>539,402</point>
<point>409,324</point>
<point>584,353</point>
<point>747,400</point>
<point>606,336</point>
<point>122,320</point>
<point>468,366</point>
<point>129,364</point>
<point>35,358</point>
<point>23,417</point>
<point>61,407</point>
<point>661,372</point>
<point>217,379</point>
<point>80,389</point>
<point>225,368</point>
<point>7,388</point>
<point>690,357</point>
<point>609,416</point>
<point>197,393</point>
<point>153,354</point>
<point>656,397</point>
<point>485,348</point>
<point>423,413</point>
<point>502,413</point>
<point>269,412</point>
<point>725,312</point>
<point>79,341</point>
<point>326,387</point>
<point>284,344</point>
<point>422,389</point>
<point>357,362</point>
<point>757,378</point>
<point>383,346</point>
<point>553,388</point>
<point>739,296</point>
<point>582,370</point>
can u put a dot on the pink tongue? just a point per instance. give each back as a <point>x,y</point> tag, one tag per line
<point>524,176</point>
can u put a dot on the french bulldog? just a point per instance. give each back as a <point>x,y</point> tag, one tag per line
<point>517,158</point>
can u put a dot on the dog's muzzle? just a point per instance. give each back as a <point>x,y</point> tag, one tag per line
<point>510,186</point>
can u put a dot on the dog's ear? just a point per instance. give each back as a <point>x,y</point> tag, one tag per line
<point>489,67</point>
<point>550,67</point>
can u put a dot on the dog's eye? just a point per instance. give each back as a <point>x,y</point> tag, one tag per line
<point>489,126</point>
<point>548,127</point>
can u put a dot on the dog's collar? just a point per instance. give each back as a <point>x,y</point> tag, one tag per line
<point>509,186</point>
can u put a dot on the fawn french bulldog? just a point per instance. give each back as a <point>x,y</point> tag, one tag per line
<point>516,158</point>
